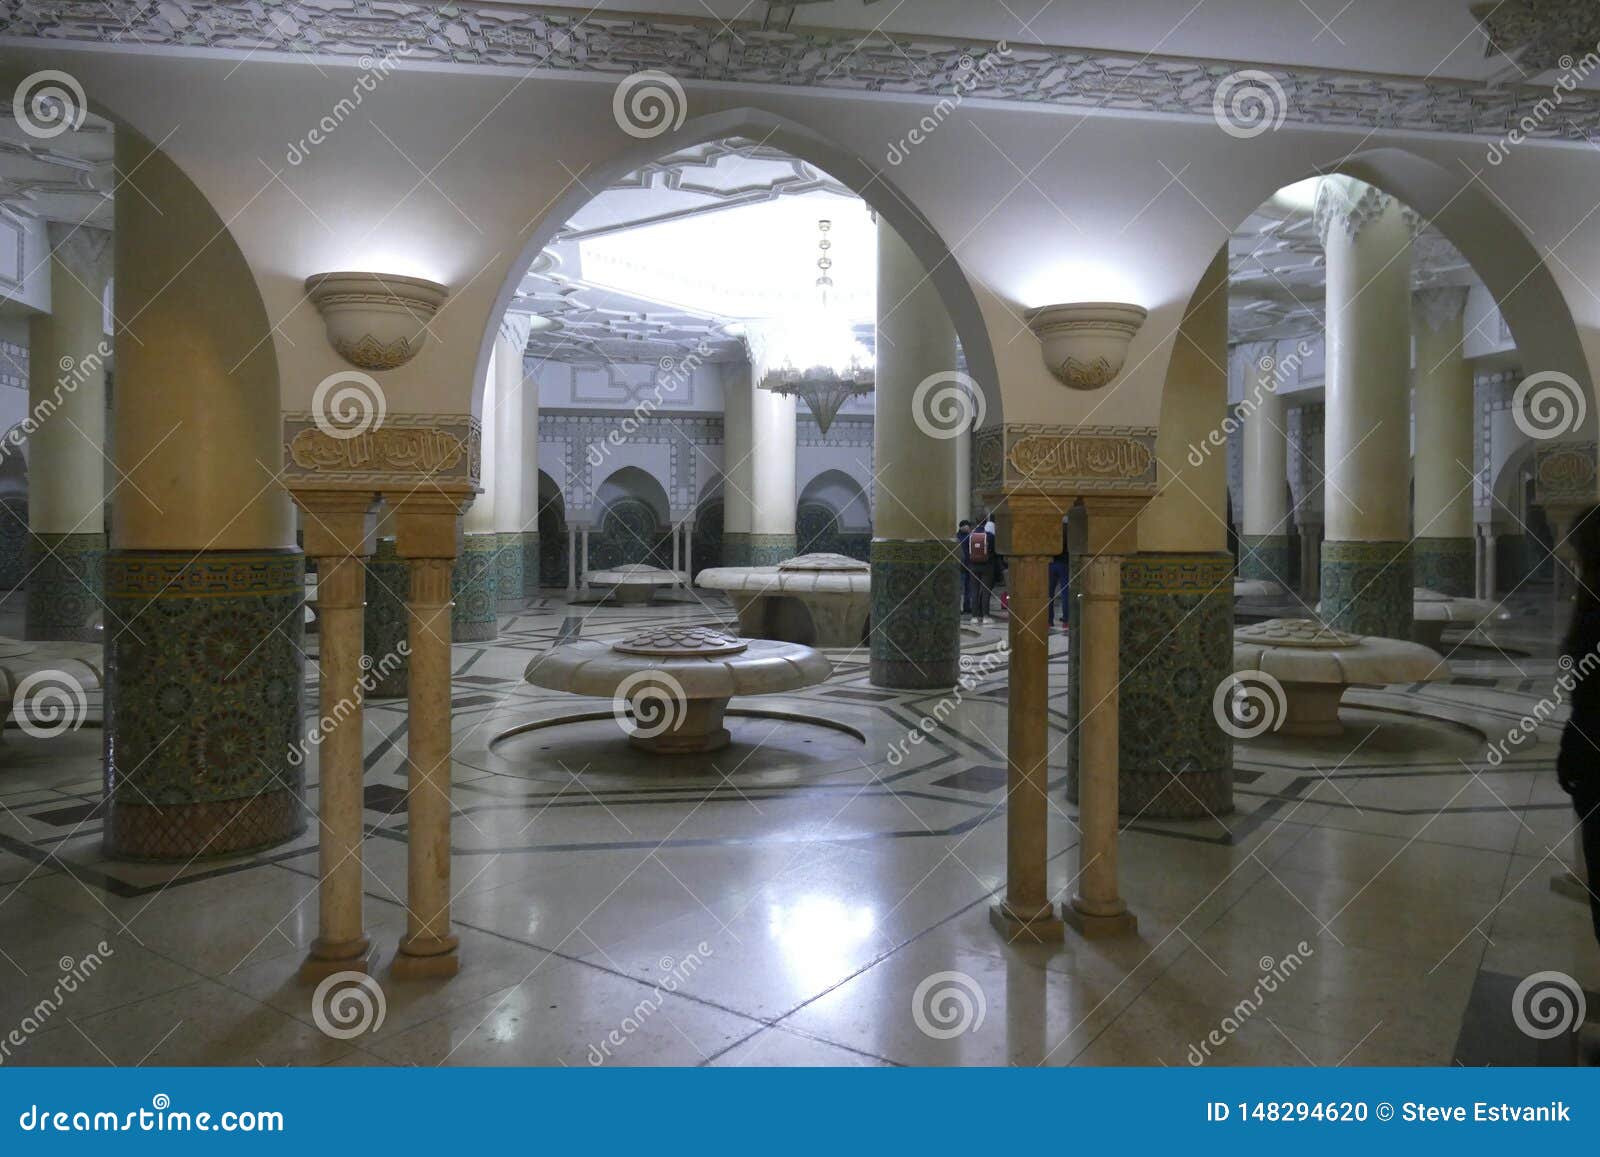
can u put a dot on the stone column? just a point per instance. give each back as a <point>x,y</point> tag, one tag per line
<point>572,559</point>
<point>1264,540</point>
<point>67,355</point>
<point>1310,561</point>
<point>474,584</point>
<point>1366,563</point>
<point>1030,535</point>
<point>512,513</point>
<point>1491,565</point>
<point>772,491</point>
<point>427,525</point>
<point>204,585</point>
<point>1442,553</point>
<point>338,534</point>
<point>738,468</point>
<point>916,572</point>
<point>1103,530</point>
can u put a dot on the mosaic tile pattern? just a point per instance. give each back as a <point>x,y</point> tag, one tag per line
<point>1366,587</point>
<point>916,614</point>
<point>472,586</point>
<point>530,564</point>
<point>735,548</point>
<point>1446,565</point>
<point>1266,556</point>
<point>769,549</point>
<point>64,585</point>
<point>508,571</point>
<point>13,542</point>
<point>204,676</point>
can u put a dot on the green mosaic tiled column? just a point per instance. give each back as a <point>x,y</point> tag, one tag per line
<point>473,588</point>
<point>508,571</point>
<point>1366,587</point>
<point>204,682</point>
<point>13,543</point>
<point>1265,556</point>
<point>1446,565</point>
<point>63,585</point>
<point>916,614</point>
<point>385,623</point>
<point>770,549</point>
<point>1174,759</point>
<point>530,564</point>
<point>736,548</point>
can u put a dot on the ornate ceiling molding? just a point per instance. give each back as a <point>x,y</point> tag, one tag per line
<point>708,50</point>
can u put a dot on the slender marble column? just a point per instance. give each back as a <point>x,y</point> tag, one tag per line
<point>474,584</point>
<point>427,541</point>
<point>772,493</point>
<point>204,585</point>
<point>963,443</point>
<point>338,534</point>
<point>68,352</point>
<point>1264,541</point>
<point>1366,558</point>
<point>572,559</point>
<point>511,515</point>
<point>738,468</point>
<point>916,573</point>
<point>1030,535</point>
<point>1442,555</point>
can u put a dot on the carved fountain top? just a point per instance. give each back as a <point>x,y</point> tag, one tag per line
<point>822,561</point>
<point>681,642</point>
<point>1309,634</point>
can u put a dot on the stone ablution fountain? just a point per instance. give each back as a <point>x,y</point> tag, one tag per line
<point>832,594</point>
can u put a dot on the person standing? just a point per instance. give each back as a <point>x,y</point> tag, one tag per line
<point>979,556</point>
<point>963,532</point>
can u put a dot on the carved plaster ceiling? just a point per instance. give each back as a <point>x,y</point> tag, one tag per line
<point>1539,36</point>
<point>1277,275</point>
<point>740,51</point>
<point>664,306</point>
<point>66,178</point>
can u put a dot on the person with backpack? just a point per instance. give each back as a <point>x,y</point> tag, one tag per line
<point>978,555</point>
<point>963,529</point>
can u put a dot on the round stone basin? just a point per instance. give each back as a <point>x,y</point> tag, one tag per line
<point>1432,611</point>
<point>1313,664</point>
<point>1258,589</point>
<point>670,686</point>
<point>634,583</point>
<point>834,591</point>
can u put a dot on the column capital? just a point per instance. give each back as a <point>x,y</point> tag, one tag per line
<point>84,250</point>
<point>514,329</point>
<point>1030,524</point>
<point>428,523</point>
<point>1110,523</point>
<point>1435,308</point>
<point>338,522</point>
<point>1349,205</point>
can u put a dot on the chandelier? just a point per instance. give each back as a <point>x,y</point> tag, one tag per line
<point>816,356</point>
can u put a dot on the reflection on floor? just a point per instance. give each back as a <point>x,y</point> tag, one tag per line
<point>816,893</point>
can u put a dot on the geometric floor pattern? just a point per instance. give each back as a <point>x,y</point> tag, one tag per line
<point>817,893</point>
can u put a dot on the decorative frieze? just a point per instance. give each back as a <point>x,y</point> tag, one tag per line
<point>1065,459</point>
<point>401,451</point>
<point>1564,473</point>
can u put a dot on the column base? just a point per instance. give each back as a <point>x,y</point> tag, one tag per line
<point>384,623</point>
<point>1366,588</point>
<point>736,548</point>
<point>916,615</point>
<point>325,959</point>
<point>64,587</point>
<point>770,549</point>
<point>204,676</point>
<point>473,590</point>
<point>1044,928</point>
<point>1446,565</point>
<point>427,958</point>
<point>1266,557</point>
<point>1097,926</point>
<point>508,571</point>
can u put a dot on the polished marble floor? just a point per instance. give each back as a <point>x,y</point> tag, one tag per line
<point>805,898</point>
